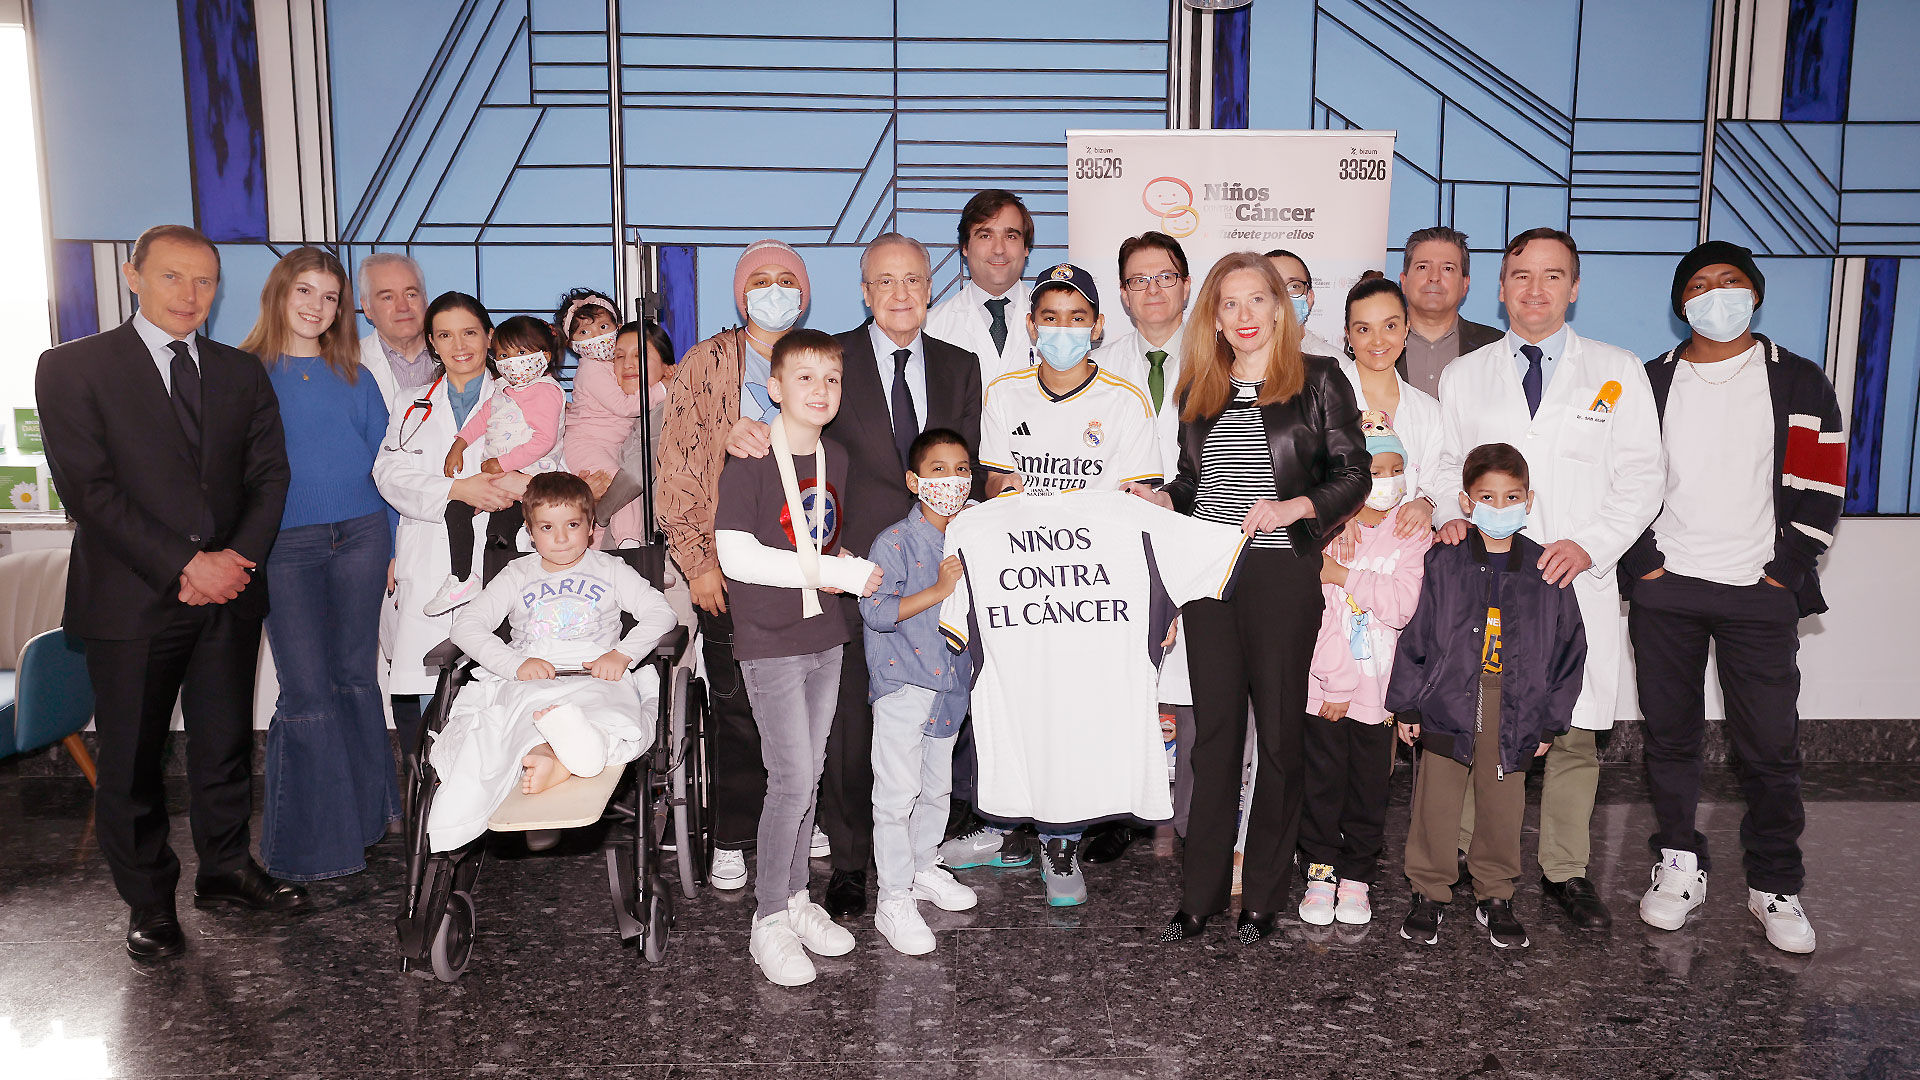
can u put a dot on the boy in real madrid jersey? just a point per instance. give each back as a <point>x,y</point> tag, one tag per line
<point>1064,424</point>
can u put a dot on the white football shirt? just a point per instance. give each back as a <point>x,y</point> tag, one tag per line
<point>1063,604</point>
<point>1095,437</point>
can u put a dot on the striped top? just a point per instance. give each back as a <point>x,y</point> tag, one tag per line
<point>1236,468</point>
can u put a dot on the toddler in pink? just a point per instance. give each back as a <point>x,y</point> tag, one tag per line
<point>1370,598</point>
<point>518,428</point>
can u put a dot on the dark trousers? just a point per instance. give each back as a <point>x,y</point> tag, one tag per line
<point>205,657</point>
<point>1344,818</point>
<point>1755,633</point>
<point>738,781</point>
<point>846,788</point>
<point>503,528</point>
<point>1257,644</point>
<point>406,722</point>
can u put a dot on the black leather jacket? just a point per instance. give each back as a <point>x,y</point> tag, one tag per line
<point>1317,449</point>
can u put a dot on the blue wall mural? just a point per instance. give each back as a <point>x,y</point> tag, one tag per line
<point>475,134</point>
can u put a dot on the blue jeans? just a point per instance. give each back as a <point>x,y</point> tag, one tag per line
<point>330,787</point>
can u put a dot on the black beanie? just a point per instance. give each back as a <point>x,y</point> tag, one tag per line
<point>1708,254</point>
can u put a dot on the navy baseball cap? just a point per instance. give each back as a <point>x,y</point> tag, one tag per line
<point>1066,275</point>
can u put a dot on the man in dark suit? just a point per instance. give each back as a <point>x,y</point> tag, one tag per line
<point>167,449</point>
<point>1434,277</point>
<point>896,382</point>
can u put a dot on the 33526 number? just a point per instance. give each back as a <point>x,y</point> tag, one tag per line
<point>1363,168</point>
<point>1096,168</point>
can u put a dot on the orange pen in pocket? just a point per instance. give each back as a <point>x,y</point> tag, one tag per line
<point>1605,400</point>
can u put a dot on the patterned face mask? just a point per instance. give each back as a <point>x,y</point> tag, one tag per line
<point>596,348</point>
<point>945,495</point>
<point>522,370</point>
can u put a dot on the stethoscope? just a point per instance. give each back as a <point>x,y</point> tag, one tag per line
<point>424,404</point>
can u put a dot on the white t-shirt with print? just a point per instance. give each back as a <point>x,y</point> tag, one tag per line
<point>1064,603</point>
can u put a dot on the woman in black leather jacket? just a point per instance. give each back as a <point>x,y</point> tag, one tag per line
<point>1270,442</point>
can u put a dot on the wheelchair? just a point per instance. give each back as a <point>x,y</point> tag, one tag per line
<point>662,793</point>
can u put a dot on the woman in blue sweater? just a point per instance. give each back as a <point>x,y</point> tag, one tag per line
<point>330,787</point>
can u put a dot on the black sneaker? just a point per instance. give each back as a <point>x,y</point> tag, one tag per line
<point>1423,922</point>
<point>1505,930</point>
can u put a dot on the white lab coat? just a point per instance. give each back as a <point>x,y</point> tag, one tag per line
<point>1421,429</point>
<point>1598,476</point>
<point>961,319</point>
<point>1126,356</point>
<point>374,359</point>
<point>413,481</point>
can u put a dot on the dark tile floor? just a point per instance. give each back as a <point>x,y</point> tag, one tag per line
<point>1015,989</point>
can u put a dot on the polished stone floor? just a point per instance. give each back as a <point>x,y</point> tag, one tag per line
<point>1015,989</point>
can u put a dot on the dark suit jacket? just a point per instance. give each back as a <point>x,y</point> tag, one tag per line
<point>876,494</point>
<point>141,506</point>
<point>1475,335</point>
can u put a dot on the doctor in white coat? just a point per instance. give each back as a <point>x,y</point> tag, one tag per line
<point>1582,413</point>
<point>1154,288</point>
<point>988,315</point>
<point>395,301</point>
<point>410,473</point>
<point>1376,322</point>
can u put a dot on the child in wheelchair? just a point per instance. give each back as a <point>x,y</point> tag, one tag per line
<point>557,700</point>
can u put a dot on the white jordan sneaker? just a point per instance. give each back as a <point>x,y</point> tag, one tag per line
<point>1679,888</point>
<point>1788,928</point>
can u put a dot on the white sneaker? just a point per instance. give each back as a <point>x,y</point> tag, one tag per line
<point>898,920</point>
<point>819,847</point>
<point>1679,887</point>
<point>453,592</point>
<point>729,870</point>
<point>1351,903</point>
<point>815,928</point>
<point>775,948</point>
<point>1787,927</point>
<point>1317,906</point>
<point>947,894</point>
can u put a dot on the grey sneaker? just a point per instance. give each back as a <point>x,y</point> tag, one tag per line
<point>1060,867</point>
<point>984,847</point>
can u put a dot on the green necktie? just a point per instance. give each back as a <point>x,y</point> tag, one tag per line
<point>1157,376</point>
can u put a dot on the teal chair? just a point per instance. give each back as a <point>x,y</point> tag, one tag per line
<point>47,695</point>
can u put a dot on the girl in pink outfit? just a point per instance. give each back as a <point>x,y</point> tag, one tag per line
<point>519,430</point>
<point>621,373</point>
<point>1349,734</point>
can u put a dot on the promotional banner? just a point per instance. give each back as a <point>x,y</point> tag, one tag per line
<point>1319,194</point>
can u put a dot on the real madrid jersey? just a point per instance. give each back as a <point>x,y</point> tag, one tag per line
<point>1094,437</point>
<point>1063,604</point>
<point>767,620</point>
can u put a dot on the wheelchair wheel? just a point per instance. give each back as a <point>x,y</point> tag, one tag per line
<point>658,918</point>
<point>688,786</point>
<point>453,943</point>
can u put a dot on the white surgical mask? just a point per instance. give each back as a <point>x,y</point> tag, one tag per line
<point>521,370</point>
<point>1063,346</point>
<point>1720,314</point>
<point>596,348</point>
<point>1387,492</point>
<point>945,495</point>
<point>774,308</point>
<point>1499,523</point>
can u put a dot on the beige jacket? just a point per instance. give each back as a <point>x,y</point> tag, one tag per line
<point>703,401</point>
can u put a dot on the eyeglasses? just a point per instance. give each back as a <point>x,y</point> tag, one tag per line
<point>887,284</point>
<point>1299,288</point>
<point>1166,279</point>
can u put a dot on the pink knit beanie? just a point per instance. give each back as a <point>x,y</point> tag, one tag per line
<point>760,254</point>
